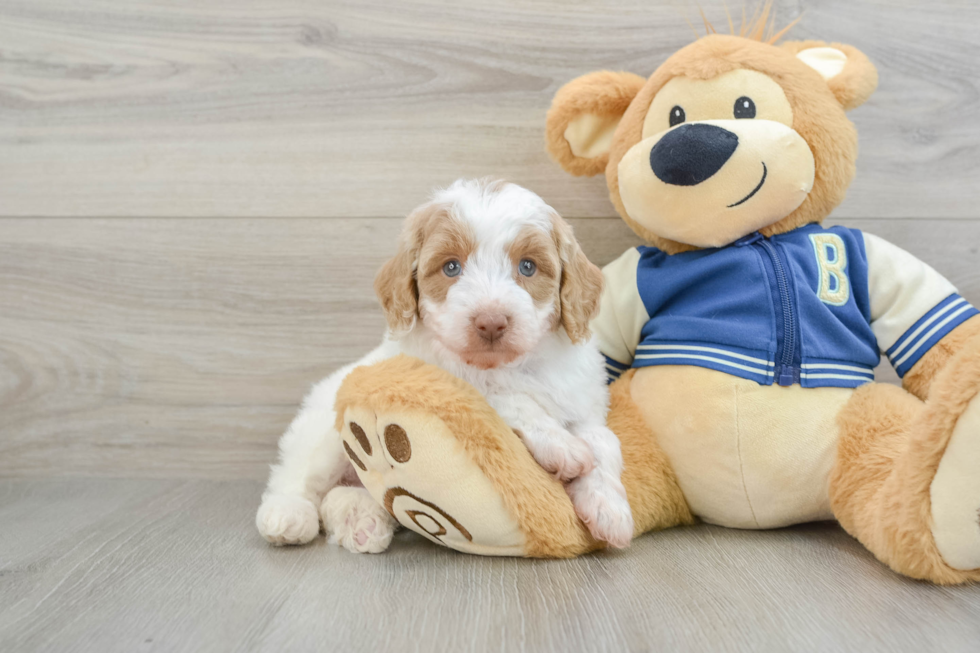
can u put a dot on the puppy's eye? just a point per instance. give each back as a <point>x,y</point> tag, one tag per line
<point>527,267</point>
<point>452,268</point>
<point>677,116</point>
<point>744,107</point>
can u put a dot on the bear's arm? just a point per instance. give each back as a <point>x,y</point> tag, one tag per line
<point>622,314</point>
<point>917,316</point>
<point>919,378</point>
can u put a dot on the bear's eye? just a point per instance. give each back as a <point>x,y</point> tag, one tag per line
<point>677,116</point>
<point>744,107</point>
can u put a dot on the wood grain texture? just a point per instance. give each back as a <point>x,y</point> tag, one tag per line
<point>168,347</point>
<point>107,566</point>
<point>143,336</point>
<point>347,109</point>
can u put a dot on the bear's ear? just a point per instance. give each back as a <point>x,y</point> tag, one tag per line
<point>852,78</point>
<point>583,117</point>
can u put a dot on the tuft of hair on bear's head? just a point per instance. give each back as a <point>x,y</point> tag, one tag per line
<point>759,26</point>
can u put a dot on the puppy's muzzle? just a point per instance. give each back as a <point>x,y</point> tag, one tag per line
<point>691,154</point>
<point>491,326</point>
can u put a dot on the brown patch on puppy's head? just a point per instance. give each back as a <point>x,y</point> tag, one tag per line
<point>395,283</point>
<point>581,283</point>
<point>538,248</point>
<point>752,136</point>
<point>563,277</point>
<point>430,239</point>
<point>447,240</point>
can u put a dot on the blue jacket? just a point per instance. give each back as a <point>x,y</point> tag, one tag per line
<point>813,306</point>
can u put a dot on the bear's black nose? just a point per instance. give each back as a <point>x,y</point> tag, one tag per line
<point>689,154</point>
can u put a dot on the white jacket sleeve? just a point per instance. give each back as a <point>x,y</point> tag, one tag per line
<point>622,314</point>
<point>912,305</point>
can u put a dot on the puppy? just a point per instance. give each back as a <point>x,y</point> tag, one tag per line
<point>489,284</point>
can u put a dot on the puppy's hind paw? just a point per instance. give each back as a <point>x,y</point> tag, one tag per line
<point>602,506</point>
<point>355,521</point>
<point>287,519</point>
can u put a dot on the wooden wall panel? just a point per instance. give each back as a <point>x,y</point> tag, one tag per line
<point>166,295</point>
<point>356,109</point>
<point>169,347</point>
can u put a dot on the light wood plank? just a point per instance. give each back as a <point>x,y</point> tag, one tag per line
<point>158,347</point>
<point>108,566</point>
<point>346,109</point>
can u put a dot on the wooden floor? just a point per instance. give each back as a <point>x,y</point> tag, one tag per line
<point>194,198</point>
<point>132,565</point>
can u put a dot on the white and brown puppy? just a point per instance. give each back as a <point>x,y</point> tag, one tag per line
<point>489,284</point>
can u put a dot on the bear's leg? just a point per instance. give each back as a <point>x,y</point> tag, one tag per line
<point>429,448</point>
<point>907,478</point>
<point>441,462</point>
<point>651,484</point>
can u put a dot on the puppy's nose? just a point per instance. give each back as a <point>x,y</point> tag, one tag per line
<point>490,326</point>
<point>689,154</point>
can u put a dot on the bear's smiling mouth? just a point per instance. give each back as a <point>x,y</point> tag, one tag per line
<point>755,190</point>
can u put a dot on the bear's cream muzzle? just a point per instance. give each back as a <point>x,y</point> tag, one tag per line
<point>708,183</point>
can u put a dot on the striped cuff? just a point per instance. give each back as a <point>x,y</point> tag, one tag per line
<point>746,363</point>
<point>614,369</point>
<point>818,373</point>
<point>930,329</point>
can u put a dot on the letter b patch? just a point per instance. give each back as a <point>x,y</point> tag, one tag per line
<point>834,288</point>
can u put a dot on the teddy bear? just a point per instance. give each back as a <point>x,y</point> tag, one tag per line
<point>740,341</point>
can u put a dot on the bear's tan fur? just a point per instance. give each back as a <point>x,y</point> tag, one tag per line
<point>889,441</point>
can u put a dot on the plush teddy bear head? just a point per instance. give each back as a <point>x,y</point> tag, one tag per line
<point>731,135</point>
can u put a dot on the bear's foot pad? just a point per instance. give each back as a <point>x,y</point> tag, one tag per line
<point>955,494</point>
<point>413,466</point>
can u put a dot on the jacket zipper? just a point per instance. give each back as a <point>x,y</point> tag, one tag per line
<point>786,372</point>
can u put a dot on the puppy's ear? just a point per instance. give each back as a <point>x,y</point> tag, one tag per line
<point>583,117</point>
<point>581,283</point>
<point>852,78</point>
<point>395,285</point>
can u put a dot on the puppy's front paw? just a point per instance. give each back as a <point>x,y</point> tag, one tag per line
<point>565,457</point>
<point>355,521</point>
<point>287,519</point>
<point>600,502</point>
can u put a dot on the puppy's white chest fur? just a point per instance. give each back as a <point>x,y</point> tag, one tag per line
<point>565,379</point>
